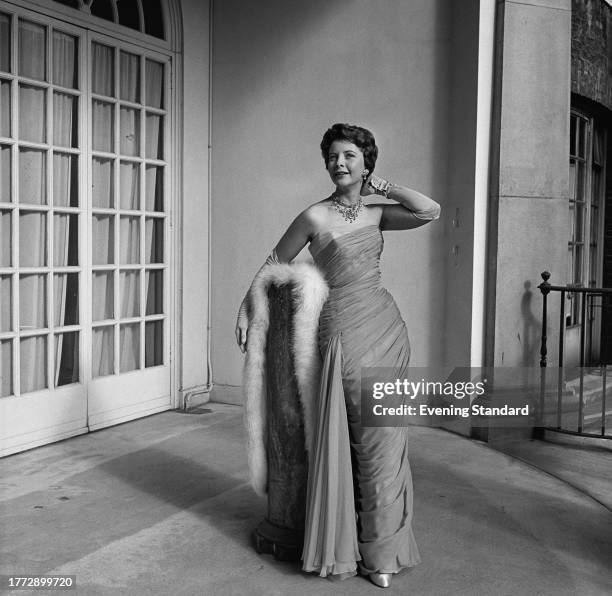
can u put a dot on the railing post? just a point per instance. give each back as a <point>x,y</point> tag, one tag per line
<point>545,289</point>
<point>560,371</point>
<point>582,363</point>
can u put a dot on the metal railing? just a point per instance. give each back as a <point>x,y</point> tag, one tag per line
<point>578,403</point>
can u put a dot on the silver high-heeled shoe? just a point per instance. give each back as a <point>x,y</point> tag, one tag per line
<point>382,580</point>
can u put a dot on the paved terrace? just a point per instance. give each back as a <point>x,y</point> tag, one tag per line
<point>162,506</point>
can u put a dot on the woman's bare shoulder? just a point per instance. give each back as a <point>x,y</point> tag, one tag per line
<point>316,214</point>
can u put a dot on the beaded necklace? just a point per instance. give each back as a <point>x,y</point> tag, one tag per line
<point>349,212</point>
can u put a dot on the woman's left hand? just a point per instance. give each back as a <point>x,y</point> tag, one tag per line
<point>366,188</point>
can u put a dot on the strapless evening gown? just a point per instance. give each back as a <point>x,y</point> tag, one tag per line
<point>359,503</point>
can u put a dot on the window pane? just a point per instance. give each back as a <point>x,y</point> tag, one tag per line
<point>154,188</point>
<point>5,174</point>
<point>577,273</point>
<point>155,137</point>
<point>5,42</point>
<point>33,367</point>
<point>103,138</point>
<point>596,193</point>
<point>103,295</point>
<point>154,83</point>
<point>5,238</point>
<point>128,14</point>
<point>65,63</point>
<point>5,109</point>
<point>102,185</point>
<point>103,351</point>
<point>6,300</point>
<point>599,150</point>
<point>573,124</point>
<point>130,131</point>
<point>130,240</point>
<point>154,288</point>
<point>594,237</point>
<point>103,75</point>
<point>103,239</point>
<point>32,50</point>
<point>6,368</point>
<point>129,347</point>
<point>66,297</point>
<point>32,239</point>
<point>65,239</point>
<point>154,240</point>
<point>32,177</point>
<point>582,137</point>
<point>579,227</point>
<point>32,120</point>
<point>130,293</point>
<point>65,120</point>
<point>130,185</point>
<point>154,343</point>
<point>130,77</point>
<point>32,302</point>
<point>65,180</point>
<point>154,22</point>
<point>66,358</point>
<point>103,9</point>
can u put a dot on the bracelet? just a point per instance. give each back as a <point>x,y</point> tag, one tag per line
<point>380,185</point>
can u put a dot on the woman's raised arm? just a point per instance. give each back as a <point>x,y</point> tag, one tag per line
<point>415,209</point>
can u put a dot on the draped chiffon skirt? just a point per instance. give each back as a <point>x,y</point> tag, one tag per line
<point>359,502</point>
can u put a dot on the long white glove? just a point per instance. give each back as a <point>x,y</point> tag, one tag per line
<point>242,321</point>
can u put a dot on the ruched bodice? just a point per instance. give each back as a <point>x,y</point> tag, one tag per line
<point>349,258</point>
<point>359,326</point>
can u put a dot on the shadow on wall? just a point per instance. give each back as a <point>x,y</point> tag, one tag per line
<point>530,336</point>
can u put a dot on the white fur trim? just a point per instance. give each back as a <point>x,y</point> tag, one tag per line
<point>309,294</point>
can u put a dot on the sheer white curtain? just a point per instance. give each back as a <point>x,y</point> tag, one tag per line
<point>64,60</point>
<point>32,300</point>
<point>64,127</point>
<point>5,109</point>
<point>6,368</point>
<point>130,294</point>
<point>130,185</point>
<point>32,50</point>
<point>32,190</point>
<point>103,235</point>
<point>154,73</point>
<point>32,114</point>
<point>34,289</point>
<point>130,77</point>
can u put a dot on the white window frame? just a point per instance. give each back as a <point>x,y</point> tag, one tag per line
<point>87,27</point>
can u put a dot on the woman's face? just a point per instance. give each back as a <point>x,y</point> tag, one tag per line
<point>345,164</point>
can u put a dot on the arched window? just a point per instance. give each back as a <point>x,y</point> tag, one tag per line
<point>142,15</point>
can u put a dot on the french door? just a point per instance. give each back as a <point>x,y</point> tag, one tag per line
<point>84,230</point>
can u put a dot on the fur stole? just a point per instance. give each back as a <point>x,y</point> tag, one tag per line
<point>309,294</point>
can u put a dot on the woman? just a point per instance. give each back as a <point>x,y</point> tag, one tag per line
<point>359,326</point>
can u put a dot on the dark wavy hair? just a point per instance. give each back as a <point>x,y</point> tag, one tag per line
<point>357,135</point>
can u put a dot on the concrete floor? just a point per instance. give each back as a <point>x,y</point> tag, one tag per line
<point>161,506</point>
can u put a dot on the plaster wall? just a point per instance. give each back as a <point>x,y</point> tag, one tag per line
<point>531,188</point>
<point>283,72</point>
<point>194,201</point>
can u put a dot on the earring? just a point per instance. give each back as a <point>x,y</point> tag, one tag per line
<point>365,174</point>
